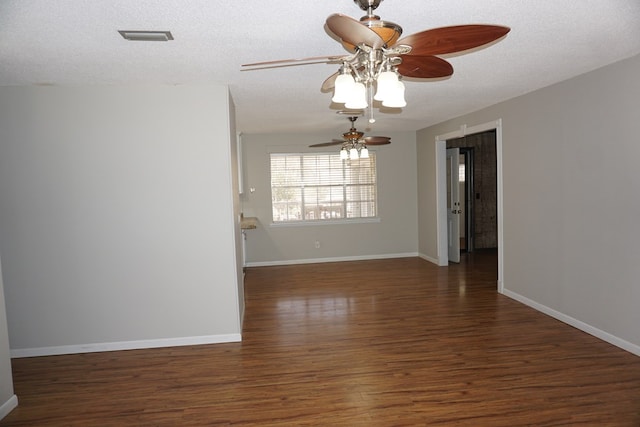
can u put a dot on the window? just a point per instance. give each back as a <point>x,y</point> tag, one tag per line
<point>321,187</point>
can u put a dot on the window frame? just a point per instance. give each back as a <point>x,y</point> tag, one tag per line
<point>344,184</point>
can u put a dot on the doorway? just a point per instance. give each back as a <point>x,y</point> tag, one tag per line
<point>477,182</point>
<point>481,227</point>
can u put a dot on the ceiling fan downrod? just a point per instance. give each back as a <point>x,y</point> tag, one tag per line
<point>368,5</point>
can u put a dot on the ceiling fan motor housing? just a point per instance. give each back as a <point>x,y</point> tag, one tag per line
<point>388,31</point>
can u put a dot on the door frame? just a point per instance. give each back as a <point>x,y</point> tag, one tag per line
<point>441,190</point>
<point>469,202</point>
<point>453,205</point>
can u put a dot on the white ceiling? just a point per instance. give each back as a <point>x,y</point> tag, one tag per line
<point>75,42</point>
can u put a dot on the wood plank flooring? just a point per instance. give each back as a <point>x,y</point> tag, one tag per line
<point>396,342</point>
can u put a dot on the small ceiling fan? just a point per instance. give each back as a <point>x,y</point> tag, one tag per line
<point>354,143</point>
<point>354,135</point>
<point>377,55</point>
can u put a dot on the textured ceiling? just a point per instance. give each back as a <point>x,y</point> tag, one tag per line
<point>75,42</point>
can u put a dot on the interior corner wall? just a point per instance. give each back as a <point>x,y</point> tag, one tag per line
<point>392,236</point>
<point>116,217</point>
<point>569,156</point>
<point>8,400</point>
<point>236,171</point>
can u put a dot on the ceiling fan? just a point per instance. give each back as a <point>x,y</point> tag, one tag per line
<point>354,143</point>
<point>377,55</point>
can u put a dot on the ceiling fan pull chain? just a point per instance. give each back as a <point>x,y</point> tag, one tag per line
<point>371,118</point>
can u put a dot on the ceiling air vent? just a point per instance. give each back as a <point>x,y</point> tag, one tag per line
<point>146,36</point>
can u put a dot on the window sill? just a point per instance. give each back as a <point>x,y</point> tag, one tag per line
<point>324,222</point>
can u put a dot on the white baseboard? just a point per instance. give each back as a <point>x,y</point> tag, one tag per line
<point>124,345</point>
<point>8,406</point>
<point>428,258</point>
<point>332,259</point>
<point>585,327</point>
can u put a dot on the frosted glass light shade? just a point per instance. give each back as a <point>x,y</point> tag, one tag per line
<point>344,155</point>
<point>364,153</point>
<point>396,98</point>
<point>358,99</point>
<point>343,88</point>
<point>353,154</point>
<point>387,82</point>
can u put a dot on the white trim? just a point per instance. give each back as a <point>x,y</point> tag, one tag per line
<point>585,327</point>
<point>240,170</point>
<point>441,190</point>
<point>441,202</point>
<point>500,206</point>
<point>333,259</point>
<point>315,222</point>
<point>124,345</point>
<point>8,406</point>
<point>428,258</point>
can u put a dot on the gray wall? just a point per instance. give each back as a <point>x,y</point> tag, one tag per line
<point>571,209</point>
<point>394,235</point>
<point>117,217</point>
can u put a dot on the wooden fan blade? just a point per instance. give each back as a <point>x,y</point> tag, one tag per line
<point>377,140</point>
<point>293,64</point>
<point>312,59</point>
<point>330,82</point>
<point>327,144</point>
<point>424,67</point>
<point>439,41</point>
<point>353,32</point>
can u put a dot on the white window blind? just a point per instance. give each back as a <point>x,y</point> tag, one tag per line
<point>321,187</point>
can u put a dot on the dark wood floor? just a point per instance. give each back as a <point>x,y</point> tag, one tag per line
<point>371,343</point>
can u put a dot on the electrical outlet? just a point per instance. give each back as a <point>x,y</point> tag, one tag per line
<point>317,244</point>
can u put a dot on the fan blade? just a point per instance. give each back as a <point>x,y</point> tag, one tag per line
<point>269,67</point>
<point>377,140</point>
<point>327,144</point>
<point>439,41</point>
<point>330,82</point>
<point>315,59</point>
<point>424,67</point>
<point>353,32</point>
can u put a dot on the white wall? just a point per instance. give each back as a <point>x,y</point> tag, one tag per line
<point>393,235</point>
<point>116,217</point>
<point>570,154</point>
<point>8,399</point>
<point>235,171</point>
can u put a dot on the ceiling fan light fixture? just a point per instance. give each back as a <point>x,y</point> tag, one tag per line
<point>364,152</point>
<point>344,155</point>
<point>378,58</point>
<point>344,86</point>
<point>386,84</point>
<point>396,97</point>
<point>357,98</point>
<point>353,153</point>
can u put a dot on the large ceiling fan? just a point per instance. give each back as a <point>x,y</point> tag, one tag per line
<point>379,57</point>
<point>354,143</point>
